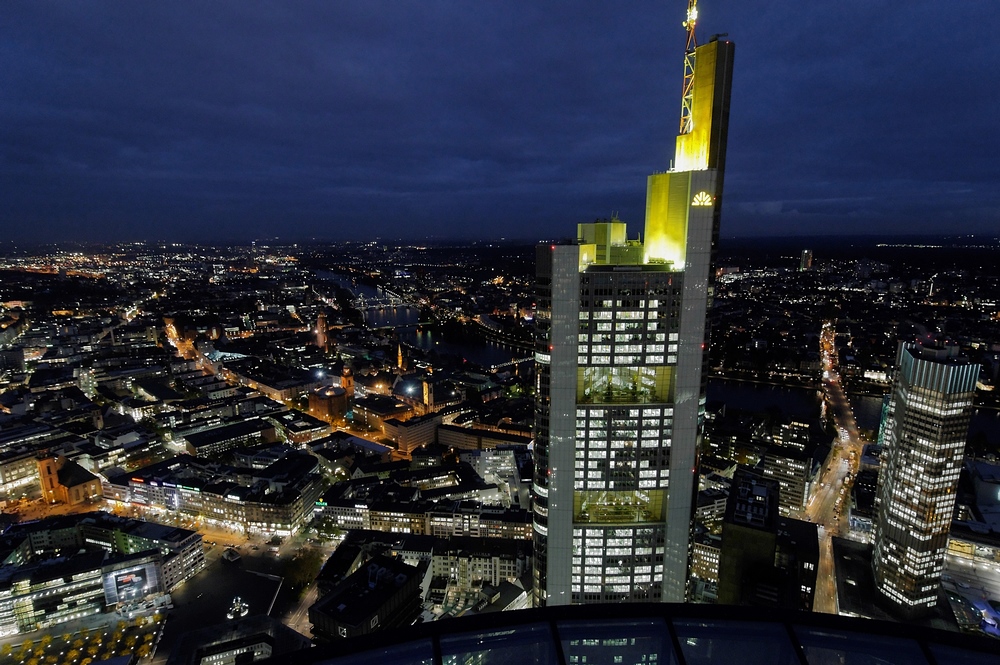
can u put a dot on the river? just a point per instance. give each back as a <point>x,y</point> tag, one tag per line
<point>404,319</point>
<point>793,401</point>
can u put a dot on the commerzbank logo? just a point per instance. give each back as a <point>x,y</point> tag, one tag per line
<point>702,199</point>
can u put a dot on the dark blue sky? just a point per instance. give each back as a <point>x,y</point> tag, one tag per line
<point>232,120</point>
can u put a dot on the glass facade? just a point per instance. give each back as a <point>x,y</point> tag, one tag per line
<point>659,634</point>
<point>929,414</point>
<point>620,394</point>
<point>614,411</point>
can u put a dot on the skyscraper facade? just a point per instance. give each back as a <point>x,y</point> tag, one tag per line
<point>924,444</point>
<point>621,336</point>
<point>806,262</point>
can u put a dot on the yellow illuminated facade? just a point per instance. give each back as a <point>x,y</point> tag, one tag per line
<point>603,235</point>
<point>694,181</point>
<point>668,196</point>
<point>694,150</point>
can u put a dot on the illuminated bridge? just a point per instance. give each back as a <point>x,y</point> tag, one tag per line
<point>511,363</point>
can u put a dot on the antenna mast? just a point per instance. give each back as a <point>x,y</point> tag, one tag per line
<point>687,92</point>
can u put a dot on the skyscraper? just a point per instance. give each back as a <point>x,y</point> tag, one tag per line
<point>925,432</point>
<point>621,335</point>
<point>806,262</point>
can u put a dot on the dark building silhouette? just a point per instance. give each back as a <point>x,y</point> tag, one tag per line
<point>765,560</point>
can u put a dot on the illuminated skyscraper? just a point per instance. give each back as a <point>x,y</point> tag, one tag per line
<point>621,382</point>
<point>806,262</point>
<point>924,438</point>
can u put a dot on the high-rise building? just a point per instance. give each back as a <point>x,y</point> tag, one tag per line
<point>321,331</point>
<point>621,335</point>
<point>765,559</point>
<point>924,439</point>
<point>806,263</point>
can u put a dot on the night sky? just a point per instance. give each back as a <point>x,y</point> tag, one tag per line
<point>228,121</point>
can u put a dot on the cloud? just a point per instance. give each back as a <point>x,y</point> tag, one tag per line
<point>187,120</point>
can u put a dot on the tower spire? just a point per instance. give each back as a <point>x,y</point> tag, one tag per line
<point>687,92</point>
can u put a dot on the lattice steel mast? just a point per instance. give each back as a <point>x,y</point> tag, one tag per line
<point>687,93</point>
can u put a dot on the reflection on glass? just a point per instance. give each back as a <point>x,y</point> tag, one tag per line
<point>411,653</point>
<point>531,643</point>
<point>843,648</point>
<point>955,656</point>
<point>631,642</point>
<point>744,642</point>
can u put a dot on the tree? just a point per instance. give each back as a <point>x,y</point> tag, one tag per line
<point>305,568</point>
<point>130,641</point>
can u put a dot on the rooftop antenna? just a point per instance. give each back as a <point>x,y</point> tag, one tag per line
<point>687,92</point>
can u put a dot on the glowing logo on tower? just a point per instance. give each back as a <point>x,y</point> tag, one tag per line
<point>702,199</point>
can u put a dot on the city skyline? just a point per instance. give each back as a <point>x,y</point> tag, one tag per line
<point>199,124</point>
<point>188,391</point>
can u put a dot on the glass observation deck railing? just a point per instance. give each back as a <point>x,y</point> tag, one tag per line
<point>659,634</point>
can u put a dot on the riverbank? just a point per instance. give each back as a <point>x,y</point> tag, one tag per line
<point>804,384</point>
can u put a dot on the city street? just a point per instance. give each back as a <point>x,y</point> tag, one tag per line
<point>37,509</point>
<point>972,579</point>
<point>298,617</point>
<point>828,506</point>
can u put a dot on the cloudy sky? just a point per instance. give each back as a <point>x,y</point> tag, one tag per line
<point>337,119</point>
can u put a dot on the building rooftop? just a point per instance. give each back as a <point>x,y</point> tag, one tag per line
<point>365,590</point>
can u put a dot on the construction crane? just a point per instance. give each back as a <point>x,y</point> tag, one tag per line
<point>687,92</point>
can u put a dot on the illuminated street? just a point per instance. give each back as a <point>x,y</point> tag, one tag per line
<point>972,579</point>
<point>828,506</point>
<point>298,618</point>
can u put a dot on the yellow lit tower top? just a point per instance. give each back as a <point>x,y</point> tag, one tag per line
<point>694,185</point>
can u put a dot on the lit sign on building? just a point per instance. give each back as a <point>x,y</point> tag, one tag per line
<point>702,199</point>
